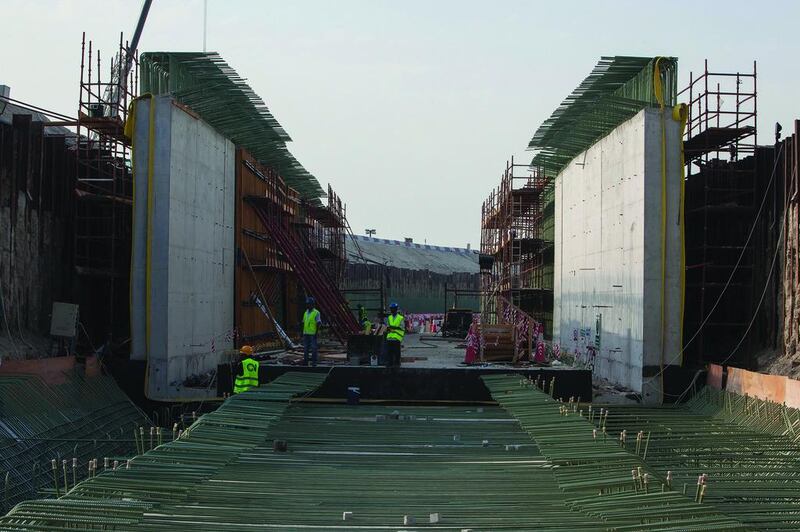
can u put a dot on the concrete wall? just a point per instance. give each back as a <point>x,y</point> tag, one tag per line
<point>608,249</point>
<point>186,225</point>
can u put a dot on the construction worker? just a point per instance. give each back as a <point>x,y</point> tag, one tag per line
<point>395,331</point>
<point>363,319</point>
<point>247,374</point>
<point>311,322</point>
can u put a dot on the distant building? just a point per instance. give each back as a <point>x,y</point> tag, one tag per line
<point>414,275</point>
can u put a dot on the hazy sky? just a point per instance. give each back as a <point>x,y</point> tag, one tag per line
<point>410,109</point>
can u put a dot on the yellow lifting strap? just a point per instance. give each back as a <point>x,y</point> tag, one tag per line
<point>679,114</point>
<point>129,131</point>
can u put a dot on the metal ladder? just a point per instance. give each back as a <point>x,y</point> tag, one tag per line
<point>308,267</point>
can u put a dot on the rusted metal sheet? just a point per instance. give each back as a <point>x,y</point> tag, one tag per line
<point>714,378</point>
<point>775,388</point>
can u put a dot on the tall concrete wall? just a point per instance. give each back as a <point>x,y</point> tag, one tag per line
<point>183,251</point>
<point>608,254</point>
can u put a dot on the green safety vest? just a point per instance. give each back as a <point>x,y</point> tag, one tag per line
<point>399,322</point>
<point>367,325</point>
<point>249,377</point>
<point>310,321</point>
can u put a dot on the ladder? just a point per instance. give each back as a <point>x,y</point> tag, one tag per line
<point>308,267</point>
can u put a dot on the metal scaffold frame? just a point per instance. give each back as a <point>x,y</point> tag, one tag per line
<point>722,194</point>
<point>514,245</point>
<point>326,233</point>
<point>104,184</point>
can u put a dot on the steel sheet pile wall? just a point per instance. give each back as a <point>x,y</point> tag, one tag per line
<point>608,257</point>
<point>791,259</point>
<point>76,417</point>
<point>37,178</point>
<point>183,252</point>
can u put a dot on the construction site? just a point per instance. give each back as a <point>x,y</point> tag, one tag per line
<point>194,337</point>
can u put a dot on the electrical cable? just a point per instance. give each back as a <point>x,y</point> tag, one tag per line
<point>5,320</point>
<point>21,337</point>
<point>733,271</point>
<point>88,339</point>
<point>766,284</point>
<point>37,109</point>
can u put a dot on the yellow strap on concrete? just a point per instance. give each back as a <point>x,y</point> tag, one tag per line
<point>680,114</point>
<point>129,131</point>
<point>658,90</point>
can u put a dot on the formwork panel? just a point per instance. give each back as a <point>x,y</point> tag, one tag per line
<point>608,274</point>
<point>185,219</point>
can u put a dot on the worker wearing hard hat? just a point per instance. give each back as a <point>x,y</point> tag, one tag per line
<point>395,331</point>
<point>247,374</point>
<point>311,323</point>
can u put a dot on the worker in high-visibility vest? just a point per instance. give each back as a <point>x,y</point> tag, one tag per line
<point>311,323</point>
<point>247,374</point>
<point>395,331</point>
<point>363,320</point>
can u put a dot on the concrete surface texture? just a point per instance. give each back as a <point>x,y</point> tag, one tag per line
<point>430,351</point>
<point>184,229</point>
<point>608,254</point>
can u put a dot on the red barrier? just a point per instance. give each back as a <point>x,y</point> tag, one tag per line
<point>714,378</point>
<point>775,388</point>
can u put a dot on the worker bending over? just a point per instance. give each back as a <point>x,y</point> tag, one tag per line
<point>311,322</point>
<point>247,374</point>
<point>395,331</point>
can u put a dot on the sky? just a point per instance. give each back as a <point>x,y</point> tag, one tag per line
<point>411,109</point>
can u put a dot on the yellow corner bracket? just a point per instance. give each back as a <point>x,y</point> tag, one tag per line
<point>129,131</point>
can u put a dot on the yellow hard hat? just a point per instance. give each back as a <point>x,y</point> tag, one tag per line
<point>246,350</point>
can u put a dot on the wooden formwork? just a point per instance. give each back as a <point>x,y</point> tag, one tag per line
<point>498,342</point>
<point>261,269</point>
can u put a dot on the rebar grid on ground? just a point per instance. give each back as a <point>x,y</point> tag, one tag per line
<point>600,473</point>
<point>76,420</point>
<point>748,448</point>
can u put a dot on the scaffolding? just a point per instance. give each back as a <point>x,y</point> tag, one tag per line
<point>104,184</point>
<point>515,246</point>
<point>721,198</point>
<point>327,226</point>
